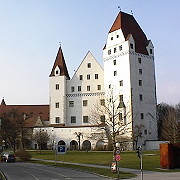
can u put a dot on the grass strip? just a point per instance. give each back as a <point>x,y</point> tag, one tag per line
<point>129,159</point>
<point>99,171</point>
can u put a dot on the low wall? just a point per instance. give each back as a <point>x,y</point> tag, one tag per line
<point>153,145</point>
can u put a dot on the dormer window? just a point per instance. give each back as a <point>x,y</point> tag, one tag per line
<point>117,36</point>
<point>57,71</point>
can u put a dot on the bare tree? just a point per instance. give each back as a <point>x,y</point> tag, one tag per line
<point>79,135</point>
<point>13,131</point>
<point>111,116</point>
<point>41,137</point>
<point>170,127</point>
<point>137,134</point>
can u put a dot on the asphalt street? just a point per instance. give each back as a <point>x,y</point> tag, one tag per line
<point>30,171</point>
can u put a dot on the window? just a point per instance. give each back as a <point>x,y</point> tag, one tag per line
<point>79,88</point>
<point>121,98</point>
<point>57,105</point>
<point>120,116</point>
<point>142,115</point>
<point>57,72</point>
<point>120,48</point>
<point>57,86</point>
<point>140,71</point>
<point>131,45</point>
<point>96,76</point>
<point>71,103</point>
<point>85,119</point>
<point>98,87</point>
<point>115,50</point>
<point>88,76</point>
<point>57,119</point>
<point>151,51</point>
<point>80,77</point>
<point>140,82</point>
<point>85,102</point>
<point>111,38</point>
<point>109,86</point>
<point>109,51</point>
<point>145,131</point>
<point>115,73</point>
<point>102,118</point>
<point>114,62</point>
<point>88,88</point>
<point>140,97</point>
<point>102,102</point>
<point>72,88</point>
<point>117,36</point>
<point>121,83</point>
<point>139,60</point>
<point>89,65</point>
<point>73,119</point>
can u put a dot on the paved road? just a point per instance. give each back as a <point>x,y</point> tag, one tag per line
<point>29,171</point>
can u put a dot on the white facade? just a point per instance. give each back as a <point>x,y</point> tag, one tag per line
<point>130,74</point>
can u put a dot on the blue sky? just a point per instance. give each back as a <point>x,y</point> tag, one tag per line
<point>30,32</point>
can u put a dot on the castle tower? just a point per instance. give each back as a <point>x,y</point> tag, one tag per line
<point>129,69</point>
<point>57,89</point>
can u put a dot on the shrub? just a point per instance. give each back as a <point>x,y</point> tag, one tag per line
<point>23,155</point>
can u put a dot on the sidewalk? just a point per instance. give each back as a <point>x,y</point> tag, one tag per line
<point>148,175</point>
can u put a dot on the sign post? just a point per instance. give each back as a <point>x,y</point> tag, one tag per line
<point>59,149</point>
<point>115,163</point>
<point>140,156</point>
<point>118,158</point>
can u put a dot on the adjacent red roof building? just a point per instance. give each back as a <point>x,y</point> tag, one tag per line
<point>36,113</point>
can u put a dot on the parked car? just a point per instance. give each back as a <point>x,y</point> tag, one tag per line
<point>8,157</point>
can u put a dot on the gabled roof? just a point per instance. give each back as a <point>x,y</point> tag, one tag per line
<point>129,25</point>
<point>60,62</point>
<point>89,54</point>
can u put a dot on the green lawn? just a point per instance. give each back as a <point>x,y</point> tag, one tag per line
<point>151,159</point>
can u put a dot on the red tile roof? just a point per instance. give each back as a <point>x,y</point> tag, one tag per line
<point>60,62</point>
<point>34,112</point>
<point>129,25</point>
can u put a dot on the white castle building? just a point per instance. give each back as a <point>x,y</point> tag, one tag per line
<point>128,69</point>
